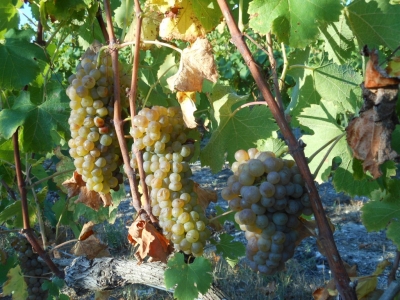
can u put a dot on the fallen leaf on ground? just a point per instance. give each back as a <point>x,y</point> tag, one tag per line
<point>197,64</point>
<point>151,242</point>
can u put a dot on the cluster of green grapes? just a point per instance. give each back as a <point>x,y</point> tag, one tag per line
<point>93,140</point>
<point>268,195</point>
<point>34,271</point>
<point>161,135</point>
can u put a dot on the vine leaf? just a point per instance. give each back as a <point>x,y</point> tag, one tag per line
<point>294,22</point>
<point>149,30</point>
<point>167,69</point>
<point>370,134</point>
<point>374,23</point>
<point>197,64</point>
<point>205,197</point>
<point>339,42</point>
<point>16,285</point>
<point>9,17</point>
<point>188,279</point>
<point>236,129</point>
<point>187,101</point>
<point>89,245</point>
<point>277,146</point>
<point>151,242</point>
<point>123,15</point>
<point>322,120</point>
<point>20,60</point>
<point>229,249</point>
<point>383,211</point>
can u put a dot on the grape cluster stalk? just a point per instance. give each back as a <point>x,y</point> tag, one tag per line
<point>269,196</point>
<point>35,271</point>
<point>160,134</point>
<point>93,144</point>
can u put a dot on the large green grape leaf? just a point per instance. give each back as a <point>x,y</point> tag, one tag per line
<point>16,285</point>
<point>208,13</point>
<point>321,119</point>
<point>38,120</point>
<point>229,249</point>
<point>124,13</point>
<point>383,211</point>
<point>66,10</point>
<point>294,22</point>
<point>339,42</point>
<point>374,23</point>
<point>21,61</point>
<point>237,129</point>
<point>188,279</point>
<point>331,82</point>
<point>9,17</point>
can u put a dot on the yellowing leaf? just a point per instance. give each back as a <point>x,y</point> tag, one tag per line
<point>367,284</point>
<point>181,23</point>
<point>162,6</point>
<point>197,64</point>
<point>187,101</point>
<point>16,285</point>
<point>149,30</point>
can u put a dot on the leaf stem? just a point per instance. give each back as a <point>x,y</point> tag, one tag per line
<point>122,45</point>
<point>337,139</point>
<point>285,67</point>
<point>323,147</point>
<point>221,215</point>
<point>49,177</point>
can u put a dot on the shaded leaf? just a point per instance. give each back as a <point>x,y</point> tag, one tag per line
<point>188,280</point>
<point>16,285</point>
<point>205,197</point>
<point>9,17</point>
<point>232,251</point>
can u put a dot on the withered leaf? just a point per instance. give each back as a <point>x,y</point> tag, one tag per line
<point>151,242</point>
<point>91,199</point>
<point>187,101</point>
<point>205,196</point>
<point>370,134</point>
<point>91,247</point>
<point>197,64</point>
<point>86,231</point>
<point>74,184</point>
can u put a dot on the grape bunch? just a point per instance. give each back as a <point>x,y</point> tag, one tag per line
<point>93,143</point>
<point>34,271</point>
<point>161,135</point>
<point>268,195</point>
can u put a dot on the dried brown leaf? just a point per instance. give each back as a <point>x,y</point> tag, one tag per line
<point>187,101</point>
<point>91,199</point>
<point>205,196</point>
<point>375,76</point>
<point>92,247</point>
<point>74,184</point>
<point>197,64</point>
<point>86,231</point>
<point>151,242</point>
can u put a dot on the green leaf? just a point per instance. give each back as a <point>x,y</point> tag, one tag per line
<point>229,217</point>
<point>9,17</point>
<point>124,13</point>
<point>6,150</point>
<point>13,213</point>
<point>383,211</point>
<point>39,120</point>
<point>10,263</point>
<point>375,23</point>
<point>229,249</point>
<point>167,69</point>
<point>208,13</point>
<point>65,10</point>
<point>16,285</point>
<point>20,59</point>
<point>188,280</point>
<point>277,146</point>
<point>294,22</point>
<point>339,42</point>
<point>237,129</point>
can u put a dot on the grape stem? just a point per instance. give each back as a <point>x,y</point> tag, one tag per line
<point>337,139</point>
<point>325,234</point>
<point>323,147</point>
<point>63,244</point>
<point>221,215</point>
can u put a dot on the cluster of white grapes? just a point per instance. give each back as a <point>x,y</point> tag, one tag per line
<point>268,196</point>
<point>161,135</point>
<point>93,141</point>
